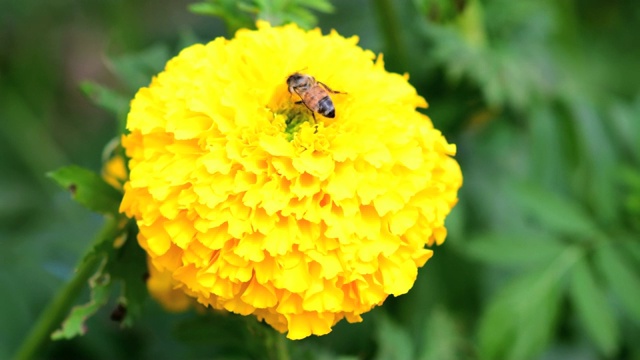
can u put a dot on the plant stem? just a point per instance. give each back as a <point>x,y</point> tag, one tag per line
<point>391,32</point>
<point>59,307</point>
<point>281,347</point>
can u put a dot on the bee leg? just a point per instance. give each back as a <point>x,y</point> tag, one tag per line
<point>329,89</point>
<point>313,114</point>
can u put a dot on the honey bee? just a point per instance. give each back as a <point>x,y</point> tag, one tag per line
<point>314,94</point>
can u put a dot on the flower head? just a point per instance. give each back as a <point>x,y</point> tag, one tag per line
<point>258,206</point>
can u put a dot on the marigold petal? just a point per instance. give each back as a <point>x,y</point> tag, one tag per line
<point>157,240</point>
<point>259,296</point>
<point>303,325</point>
<point>315,163</point>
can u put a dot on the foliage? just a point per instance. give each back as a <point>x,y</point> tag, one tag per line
<point>541,98</point>
<point>115,255</point>
<point>243,14</point>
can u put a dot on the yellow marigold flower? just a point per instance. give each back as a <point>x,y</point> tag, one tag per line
<point>257,208</point>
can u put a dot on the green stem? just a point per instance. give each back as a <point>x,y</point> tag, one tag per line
<point>59,307</point>
<point>275,344</point>
<point>391,32</point>
<point>281,347</point>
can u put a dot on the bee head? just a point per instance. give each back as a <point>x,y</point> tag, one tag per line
<point>294,79</point>
<point>298,81</point>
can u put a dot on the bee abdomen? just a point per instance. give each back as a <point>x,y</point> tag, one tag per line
<point>326,108</point>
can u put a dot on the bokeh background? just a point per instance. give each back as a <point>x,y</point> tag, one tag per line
<point>542,98</point>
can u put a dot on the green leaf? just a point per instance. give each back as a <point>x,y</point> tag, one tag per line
<point>622,277</point>
<point>108,99</point>
<point>74,325</point>
<point>623,120</point>
<point>442,338</point>
<point>455,224</point>
<point>513,249</point>
<point>128,264</point>
<point>629,177</point>
<point>596,174</point>
<point>123,264</point>
<point>547,142</point>
<point>240,14</point>
<point>230,333</point>
<point>220,328</point>
<point>632,247</point>
<point>282,12</point>
<point>136,70</point>
<point>100,283</point>
<point>592,308</point>
<point>231,11</point>
<point>88,189</point>
<point>441,11</point>
<point>318,5</point>
<point>519,321</point>
<point>393,340</point>
<point>555,212</point>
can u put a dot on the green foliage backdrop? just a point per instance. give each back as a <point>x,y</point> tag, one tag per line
<point>541,96</point>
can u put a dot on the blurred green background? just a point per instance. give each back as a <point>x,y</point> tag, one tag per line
<point>542,98</point>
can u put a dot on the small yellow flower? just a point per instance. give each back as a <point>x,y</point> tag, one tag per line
<point>257,208</point>
<point>165,290</point>
<point>114,168</point>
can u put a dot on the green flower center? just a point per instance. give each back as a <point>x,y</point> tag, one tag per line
<point>295,117</point>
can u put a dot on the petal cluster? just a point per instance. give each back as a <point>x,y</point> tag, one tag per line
<point>256,206</point>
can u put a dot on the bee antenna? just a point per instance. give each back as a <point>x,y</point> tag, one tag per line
<point>299,71</point>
